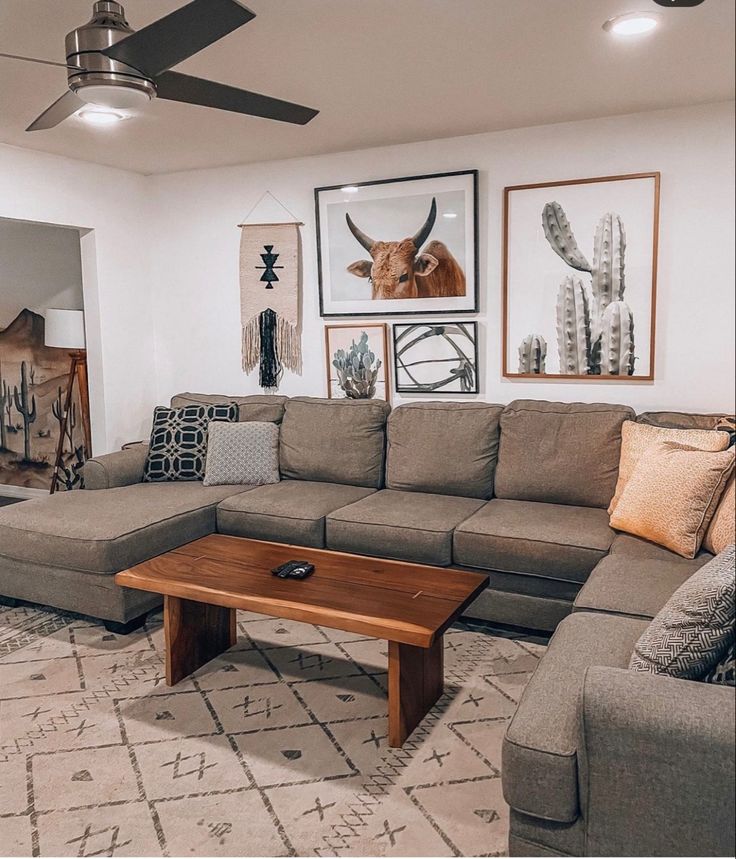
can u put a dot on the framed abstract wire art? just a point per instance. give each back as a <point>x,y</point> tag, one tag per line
<point>436,358</point>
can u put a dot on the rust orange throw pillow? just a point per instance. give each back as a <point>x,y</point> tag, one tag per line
<point>722,531</point>
<point>636,438</point>
<point>672,495</point>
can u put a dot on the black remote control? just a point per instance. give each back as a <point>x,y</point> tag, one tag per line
<point>294,570</point>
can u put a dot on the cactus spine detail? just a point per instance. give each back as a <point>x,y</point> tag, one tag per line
<point>608,264</point>
<point>27,410</point>
<point>533,354</point>
<point>617,340</point>
<point>573,327</point>
<point>582,321</point>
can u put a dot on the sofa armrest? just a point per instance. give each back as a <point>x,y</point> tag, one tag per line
<point>121,468</point>
<point>657,765</point>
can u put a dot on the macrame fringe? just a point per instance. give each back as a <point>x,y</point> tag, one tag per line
<point>287,342</point>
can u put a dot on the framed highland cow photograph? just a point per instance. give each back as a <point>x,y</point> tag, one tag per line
<point>357,361</point>
<point>580,278</point>
<point>399,246</point>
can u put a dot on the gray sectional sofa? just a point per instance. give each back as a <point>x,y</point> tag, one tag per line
<point>597,760</point>
<point>519,492</point>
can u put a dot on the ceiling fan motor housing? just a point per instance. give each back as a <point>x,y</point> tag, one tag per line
<point>83,45</point>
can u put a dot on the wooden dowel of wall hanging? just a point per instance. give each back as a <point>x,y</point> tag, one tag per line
<point>275,224</point>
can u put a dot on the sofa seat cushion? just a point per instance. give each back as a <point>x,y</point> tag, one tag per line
<point>539,760</point>
<point>629,546</point>
<point>111,529</point>
<point>637,587</point>
<point>409,526</point>
<point>554,540</point>
<point>292,511</point>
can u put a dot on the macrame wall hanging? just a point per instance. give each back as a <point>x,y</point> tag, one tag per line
<point>270,296</point>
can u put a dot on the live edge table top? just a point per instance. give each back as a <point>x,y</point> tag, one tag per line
<point>396,601</point>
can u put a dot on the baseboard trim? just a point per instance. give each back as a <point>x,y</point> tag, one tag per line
<point>21,491</point>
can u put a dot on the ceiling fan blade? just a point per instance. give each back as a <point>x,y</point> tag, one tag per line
<point>43,62</point>
<point>61,109</point>
<point>177,87</point>
<point>173,38</point>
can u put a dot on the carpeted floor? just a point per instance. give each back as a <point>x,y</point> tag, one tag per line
<point>276,748</point>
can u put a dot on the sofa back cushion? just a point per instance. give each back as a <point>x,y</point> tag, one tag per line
<point>335,441</point>
<point>563,453</point>
<point>259,407</point>
<point>445,448</point>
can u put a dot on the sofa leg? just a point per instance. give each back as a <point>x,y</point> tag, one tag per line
<point>10,602</point>
<point>118,628</point>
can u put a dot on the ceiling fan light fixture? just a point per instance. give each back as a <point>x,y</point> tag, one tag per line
<point>115,97</point>
<point>632,23</point>
<point>101,117</point>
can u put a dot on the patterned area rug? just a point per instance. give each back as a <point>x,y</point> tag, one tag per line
<point>276,748</point>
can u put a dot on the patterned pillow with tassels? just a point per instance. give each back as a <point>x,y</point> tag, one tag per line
<point>693,631</point>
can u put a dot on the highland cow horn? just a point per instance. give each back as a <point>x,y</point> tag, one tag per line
<point>364,240</point>
<point>421,237</point>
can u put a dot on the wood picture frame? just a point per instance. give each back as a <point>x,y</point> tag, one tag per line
<point>350,330</point>
<point>647,250</point>
<point>390,210</point>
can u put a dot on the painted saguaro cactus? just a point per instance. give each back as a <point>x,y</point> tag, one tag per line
<point>533,354</point>
<point>27,409</point>
<point>4,400</point>
<point>581,308</point>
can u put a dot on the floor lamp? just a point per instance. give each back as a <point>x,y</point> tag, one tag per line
<point>65,330</point>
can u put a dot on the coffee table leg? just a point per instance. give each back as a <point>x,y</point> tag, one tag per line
<point>415,682</point>
<point>195,632</point>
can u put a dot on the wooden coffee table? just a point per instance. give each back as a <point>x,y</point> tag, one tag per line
<point>409,605</point>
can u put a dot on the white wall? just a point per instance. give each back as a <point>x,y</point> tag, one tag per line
<point>37,281</point>
<point>195,264</point>
<point>111,208</point>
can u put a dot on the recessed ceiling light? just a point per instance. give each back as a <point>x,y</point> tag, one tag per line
<point>101,116</point>
<point>632,23</point>
<point>449,214</point>
<point>349,189</point>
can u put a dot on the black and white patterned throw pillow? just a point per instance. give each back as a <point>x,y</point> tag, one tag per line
<point>724,674</point>
<point>242,454</point>
<point>179,441</point>
<point>694,629</point>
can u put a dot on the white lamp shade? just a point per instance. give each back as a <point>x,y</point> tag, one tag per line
<point>65,329</point>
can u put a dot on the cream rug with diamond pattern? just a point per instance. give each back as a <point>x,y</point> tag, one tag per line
<point>276,748</point>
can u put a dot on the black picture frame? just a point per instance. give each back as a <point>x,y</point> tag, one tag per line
<point>475,292</point>
<point>399,369</point>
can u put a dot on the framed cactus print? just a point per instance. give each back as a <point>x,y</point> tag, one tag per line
<point>357,361</point>
<point>580,278</point>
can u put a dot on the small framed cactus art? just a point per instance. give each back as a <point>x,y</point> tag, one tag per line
<point>357,361</point>
<point>580,278</point>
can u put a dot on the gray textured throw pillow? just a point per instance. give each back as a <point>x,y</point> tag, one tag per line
<point>694,629</point>
<point>242,453</point>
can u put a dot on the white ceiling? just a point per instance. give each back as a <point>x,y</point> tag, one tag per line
<point>381,72</point>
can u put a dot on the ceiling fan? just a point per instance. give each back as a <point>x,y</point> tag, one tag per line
<point>111,65</point>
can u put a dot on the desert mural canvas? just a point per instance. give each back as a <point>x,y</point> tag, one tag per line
<point>33,383</point>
